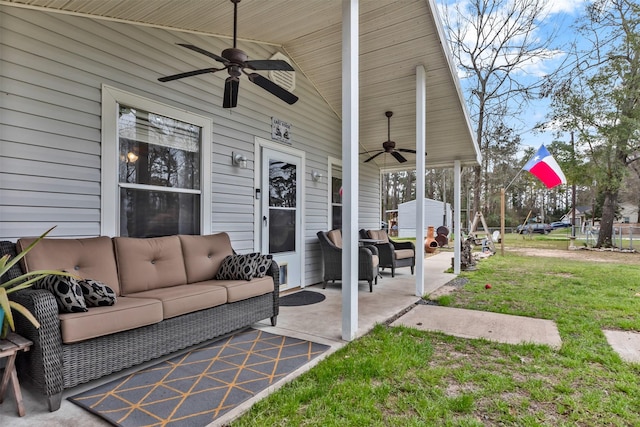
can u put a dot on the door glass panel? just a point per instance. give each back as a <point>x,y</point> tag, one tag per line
<point>282,206</point>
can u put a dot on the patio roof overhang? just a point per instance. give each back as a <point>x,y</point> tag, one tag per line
<point>395,38</point>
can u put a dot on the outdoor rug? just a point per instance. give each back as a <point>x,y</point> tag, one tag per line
<point>198,387</point>
<point>301,298</point>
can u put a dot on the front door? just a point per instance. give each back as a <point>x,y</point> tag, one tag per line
<point>281,210</point>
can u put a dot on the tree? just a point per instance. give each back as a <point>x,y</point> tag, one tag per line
<point>600,100</point>
<point>493,42</point>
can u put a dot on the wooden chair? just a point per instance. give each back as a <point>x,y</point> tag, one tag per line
<point>331,247</point>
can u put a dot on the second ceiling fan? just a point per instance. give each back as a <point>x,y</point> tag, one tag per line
<point>236,62</point>
<point>389,146</point>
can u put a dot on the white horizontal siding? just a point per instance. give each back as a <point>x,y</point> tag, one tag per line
<point>53,67</point>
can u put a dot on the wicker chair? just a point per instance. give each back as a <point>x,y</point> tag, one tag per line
<point>331,247</point>
<point>392,254</point>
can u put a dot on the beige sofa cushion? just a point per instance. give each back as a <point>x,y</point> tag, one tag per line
<point>204,254</point>
<point>177,300</point>
<point>238,290</point>
<point>127,313</point>
<point>145,264</point>
<point>89,258</point>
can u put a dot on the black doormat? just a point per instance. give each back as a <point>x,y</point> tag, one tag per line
<point>198,387</point>
<point>301,298</point>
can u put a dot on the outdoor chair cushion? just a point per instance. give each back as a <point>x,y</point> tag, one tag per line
<point>238,290</point>
<point>335,236</point>
<point>404,253</point>
<point>85,257</point>
<point>128,313</point>
<point>379,235</point>
<point>177,300</point>
<point>203,255</point>
<point>145,264</point>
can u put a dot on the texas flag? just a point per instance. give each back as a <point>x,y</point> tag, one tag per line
<point>544,167</point>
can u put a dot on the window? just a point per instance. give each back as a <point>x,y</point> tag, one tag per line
<point>335,196</point>
<point>155,168</point>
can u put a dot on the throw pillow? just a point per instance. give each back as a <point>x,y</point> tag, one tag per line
<point>237,267</point>
<point>263,263</point>
<point>67,291</point>
<point>97,294</point>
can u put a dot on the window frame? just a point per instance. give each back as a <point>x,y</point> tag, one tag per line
<point>110,183</point>
<point>331,163</point>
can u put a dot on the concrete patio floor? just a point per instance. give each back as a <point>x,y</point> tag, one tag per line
<point>318,322</point>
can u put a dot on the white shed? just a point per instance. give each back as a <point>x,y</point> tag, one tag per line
<point>436,213</point>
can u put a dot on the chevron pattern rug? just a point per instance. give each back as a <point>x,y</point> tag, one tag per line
<point>200,386</point>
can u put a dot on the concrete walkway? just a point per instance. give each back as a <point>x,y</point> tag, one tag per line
<point>496,327</point>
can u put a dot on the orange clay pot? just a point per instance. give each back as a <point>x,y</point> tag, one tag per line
<point>430,243</point>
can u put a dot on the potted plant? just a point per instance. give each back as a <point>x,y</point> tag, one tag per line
<point>22,282</point>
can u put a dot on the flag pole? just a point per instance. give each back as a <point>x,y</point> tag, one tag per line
<point>502,208</point>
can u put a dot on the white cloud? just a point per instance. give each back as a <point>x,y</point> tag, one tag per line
<point>566,6</point>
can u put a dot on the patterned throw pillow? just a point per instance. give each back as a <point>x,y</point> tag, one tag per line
<point>262,265</point>
<point>97,294</point>
<point>67,291</point>
<point>237,267</point>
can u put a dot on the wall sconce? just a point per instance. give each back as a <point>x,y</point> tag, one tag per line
<point>315,176</point>
<point>132,157</point>
<point>239,160</point>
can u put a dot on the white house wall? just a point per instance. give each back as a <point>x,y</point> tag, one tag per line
<point>52,67</point>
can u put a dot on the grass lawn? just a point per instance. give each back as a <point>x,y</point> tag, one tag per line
<point>406,377</point>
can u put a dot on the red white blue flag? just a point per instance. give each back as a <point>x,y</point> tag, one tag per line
<point>544,167</point>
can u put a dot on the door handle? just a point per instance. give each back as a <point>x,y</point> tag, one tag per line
<point>264,220</point>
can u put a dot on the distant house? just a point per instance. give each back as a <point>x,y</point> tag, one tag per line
<point>436,213</point>
<point>582,214</point>
<point>628,213</point>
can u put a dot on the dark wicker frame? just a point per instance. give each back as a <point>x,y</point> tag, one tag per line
<point>332,262</point>
<point>54,366</point>
<point>387,254</point>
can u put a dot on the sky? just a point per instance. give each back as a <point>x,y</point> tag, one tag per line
<point>561,14</point>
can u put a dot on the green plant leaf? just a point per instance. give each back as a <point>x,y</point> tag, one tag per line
<point>10,263</point>
<point>4,303</point>
<point>22,282</point>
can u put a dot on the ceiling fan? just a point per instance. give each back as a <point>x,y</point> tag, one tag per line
<point>236,62</point>
<point>389,146</point>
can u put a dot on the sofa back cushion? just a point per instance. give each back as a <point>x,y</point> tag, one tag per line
<point>379,235</point>
<point>89,258</point>
<point>203,255</point>
<point>145,264</point>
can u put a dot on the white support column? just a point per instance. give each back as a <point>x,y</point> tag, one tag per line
<point>421,140</point>
<point>457,226</point>
<point>350,138</point>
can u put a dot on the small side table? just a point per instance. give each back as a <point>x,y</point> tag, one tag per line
<point>9,348</point>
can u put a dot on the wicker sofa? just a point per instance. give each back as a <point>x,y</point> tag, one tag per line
<point>167,300</point>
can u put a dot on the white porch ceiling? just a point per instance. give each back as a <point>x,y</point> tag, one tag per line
<point>395,38</point>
